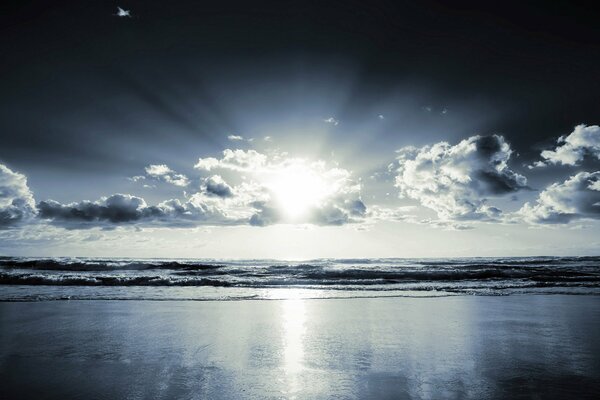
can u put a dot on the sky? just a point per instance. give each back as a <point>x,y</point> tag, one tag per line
<point>299,129</point>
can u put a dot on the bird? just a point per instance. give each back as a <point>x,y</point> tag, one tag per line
<point>123,13</point>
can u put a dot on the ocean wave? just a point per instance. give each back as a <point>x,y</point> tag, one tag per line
<point>101,265</point>
<point>453,275</point>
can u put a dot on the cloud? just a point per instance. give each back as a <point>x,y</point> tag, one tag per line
<point>326,214</point>
<point>127,209</point>
<point>235,138</point>
<point>331,121</point>
<point>583,141</point>
<point>339,212</point>
<point>216,186</point>
<point>164,173</point>
<point>265,214</point>
<point>278,186</point>
<point>16,200</point>
<point>296,190</point>
<point>578,197</point>
<point>456,181</point>
<point>123,13</point>
<point>236,160</point>
<point>207,164</point>
<point>270,189</point>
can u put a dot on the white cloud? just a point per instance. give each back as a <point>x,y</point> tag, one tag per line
<point>16,200</point>
<point>236,160</point>
<point>207,163</point>
<point>166,174</point>
<point>584,140</point>
<point>158,170</point>
<point>235,138</point>
<point>578,197</point>
<point>123,13</point>
<point>331,121</point>
<point>456,181</point>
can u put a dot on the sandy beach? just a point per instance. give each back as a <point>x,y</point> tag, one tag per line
<point>383,348</point>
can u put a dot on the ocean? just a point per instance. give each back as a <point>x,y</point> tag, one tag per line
<point>35,279</point>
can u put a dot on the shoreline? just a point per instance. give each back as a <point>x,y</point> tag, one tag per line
<point>440,296</point>
<point>41,293</point>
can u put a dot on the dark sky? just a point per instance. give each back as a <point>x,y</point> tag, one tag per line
<point>83,91</point>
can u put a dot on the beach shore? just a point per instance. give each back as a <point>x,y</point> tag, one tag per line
<point>463,347</point>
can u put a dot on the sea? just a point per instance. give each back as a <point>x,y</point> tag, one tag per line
<point>68,278</point>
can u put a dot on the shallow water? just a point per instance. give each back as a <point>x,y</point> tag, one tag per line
<point>463,347</point>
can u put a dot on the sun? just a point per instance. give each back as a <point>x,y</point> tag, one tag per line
<point>297,189</point>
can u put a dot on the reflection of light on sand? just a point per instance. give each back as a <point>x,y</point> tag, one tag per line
<point>293,320</point>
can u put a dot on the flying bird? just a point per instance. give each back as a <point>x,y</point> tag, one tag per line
<point>123,13</point>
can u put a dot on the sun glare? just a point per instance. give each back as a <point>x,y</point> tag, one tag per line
<point>297,189</point>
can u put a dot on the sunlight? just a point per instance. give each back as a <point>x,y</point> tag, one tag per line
<point>297,189</point>
<point>294,319</point>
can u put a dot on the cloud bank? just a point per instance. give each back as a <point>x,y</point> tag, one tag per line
<point>246,187</point>
<point>127,209</point>
<point>456,181</point>
<point>268,190</point>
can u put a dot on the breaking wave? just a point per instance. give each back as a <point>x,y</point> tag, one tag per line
<point>457,275</point>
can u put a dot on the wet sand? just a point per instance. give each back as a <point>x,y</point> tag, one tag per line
<point>465,347</point>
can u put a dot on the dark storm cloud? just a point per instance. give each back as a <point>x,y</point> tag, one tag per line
<point>494,177</point>
<point>117,208</point>
<point>128,209</point>
<point>216,186</point>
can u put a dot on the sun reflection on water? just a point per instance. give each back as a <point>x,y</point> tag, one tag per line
<point>293,329</point>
